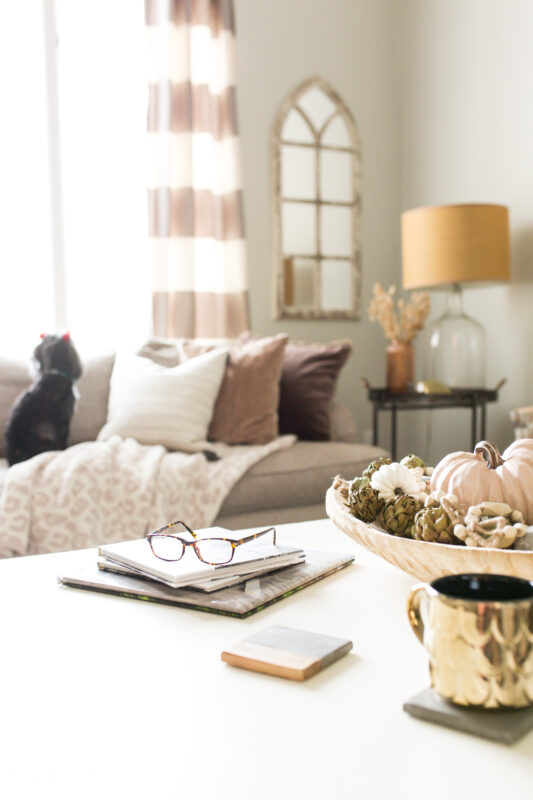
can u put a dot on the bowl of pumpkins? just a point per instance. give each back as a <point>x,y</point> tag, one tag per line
<point>470,513</point>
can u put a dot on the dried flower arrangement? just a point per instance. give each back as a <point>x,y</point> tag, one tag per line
<point>401,324</point>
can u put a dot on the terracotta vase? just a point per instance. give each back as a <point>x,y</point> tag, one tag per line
<point>400,366</point>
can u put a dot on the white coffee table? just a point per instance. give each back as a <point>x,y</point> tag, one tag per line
<point>105,697</point>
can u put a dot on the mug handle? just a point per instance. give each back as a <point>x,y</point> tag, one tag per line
<point>413,610</point>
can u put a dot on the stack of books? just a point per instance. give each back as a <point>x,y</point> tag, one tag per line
<point>250,560</point>
<point>259,574</point>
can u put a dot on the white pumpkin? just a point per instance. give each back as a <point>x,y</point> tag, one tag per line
<point>487,475</point>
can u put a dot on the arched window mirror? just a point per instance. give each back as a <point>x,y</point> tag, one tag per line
<point>316,161</point>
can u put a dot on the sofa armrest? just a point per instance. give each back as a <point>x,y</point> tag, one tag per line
<point>343,424</point>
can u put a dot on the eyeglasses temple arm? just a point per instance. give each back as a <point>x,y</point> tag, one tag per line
<point>255,535</point>
<point>171,525</point>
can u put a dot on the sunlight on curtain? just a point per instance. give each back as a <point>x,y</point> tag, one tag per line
<point>197,245</point>
<point>102,106</point>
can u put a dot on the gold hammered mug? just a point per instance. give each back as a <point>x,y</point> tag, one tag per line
<point>478,631</point>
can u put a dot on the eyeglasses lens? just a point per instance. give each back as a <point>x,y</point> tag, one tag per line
<point>214,551</point>
<point>167,548</point>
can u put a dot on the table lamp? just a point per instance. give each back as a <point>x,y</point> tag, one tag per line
<point>448,246</point>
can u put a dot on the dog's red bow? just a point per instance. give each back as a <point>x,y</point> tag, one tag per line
<point>65,337</point>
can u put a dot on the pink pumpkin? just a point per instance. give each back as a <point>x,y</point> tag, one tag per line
<point>487,475</point>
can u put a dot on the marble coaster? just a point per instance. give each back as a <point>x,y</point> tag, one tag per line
<point>499,725</point>
<point>287,652</point>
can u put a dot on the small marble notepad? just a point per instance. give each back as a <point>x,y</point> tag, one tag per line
<point>496,724</point>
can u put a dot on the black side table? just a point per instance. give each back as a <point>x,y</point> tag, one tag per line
<point>474,399</point>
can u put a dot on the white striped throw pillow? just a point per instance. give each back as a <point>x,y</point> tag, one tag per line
<point>171,406</point>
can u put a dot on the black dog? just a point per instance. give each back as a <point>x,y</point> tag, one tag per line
<point>40,417</point>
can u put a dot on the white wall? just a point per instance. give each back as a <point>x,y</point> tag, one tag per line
<point>467,135</point>
<point>442,91</point>
<point>351,44</point>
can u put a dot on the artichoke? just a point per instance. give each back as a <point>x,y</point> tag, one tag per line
<point>356,484</point>
<point>433,524</point>
<point>412,462</point>
<point>365,503</point>
<point>399,515</point>
<point>374,466</point>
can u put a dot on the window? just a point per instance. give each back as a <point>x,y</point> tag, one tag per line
<point>72,159</point>
<point>26,291</point>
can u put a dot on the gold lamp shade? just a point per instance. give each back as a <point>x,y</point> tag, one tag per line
<point>455,244</point>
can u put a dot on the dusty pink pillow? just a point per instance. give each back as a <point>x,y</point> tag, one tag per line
<point>246,410</point>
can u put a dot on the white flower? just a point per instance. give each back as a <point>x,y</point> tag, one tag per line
<point>391,480</point>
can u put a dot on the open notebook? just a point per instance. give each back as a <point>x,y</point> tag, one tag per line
<point>257,555</point>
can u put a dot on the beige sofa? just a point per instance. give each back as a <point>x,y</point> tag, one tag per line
<point>287,486</point>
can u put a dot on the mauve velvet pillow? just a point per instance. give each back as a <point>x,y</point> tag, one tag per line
<point>307,386</point>
<point>246,410</point>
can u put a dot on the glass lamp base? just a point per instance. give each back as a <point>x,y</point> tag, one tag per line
<point>456,354</point>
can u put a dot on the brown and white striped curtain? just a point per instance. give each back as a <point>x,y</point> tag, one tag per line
<point>195,190</point>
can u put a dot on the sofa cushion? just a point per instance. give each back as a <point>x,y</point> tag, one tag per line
<point>161,351</point>
<point>15,377</point>
<point>246,410</point>
<point>298,476</point>
<point>90,412</point>
<point>343,423</point>
<point>170,406</point>
<point>272,516</point>
<point>307,387</point>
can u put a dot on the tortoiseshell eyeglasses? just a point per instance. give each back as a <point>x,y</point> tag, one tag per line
<point>168,545</point>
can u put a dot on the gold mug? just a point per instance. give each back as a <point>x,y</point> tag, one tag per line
<point>478,631</point>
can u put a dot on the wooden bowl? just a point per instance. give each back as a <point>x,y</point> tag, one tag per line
<point>427,560</point>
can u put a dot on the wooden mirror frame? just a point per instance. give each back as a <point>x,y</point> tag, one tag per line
<point>280,309</point>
